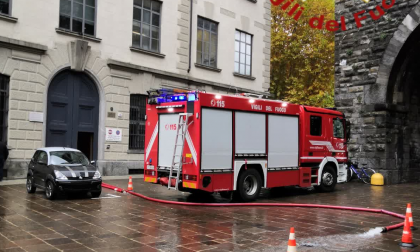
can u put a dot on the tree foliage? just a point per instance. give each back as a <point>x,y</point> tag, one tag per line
<point>302,58</point>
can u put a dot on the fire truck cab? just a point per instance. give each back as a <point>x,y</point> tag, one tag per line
<point>236,144</point>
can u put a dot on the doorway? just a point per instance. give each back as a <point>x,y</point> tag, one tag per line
<point>73,113</point>
<point>85,143</point>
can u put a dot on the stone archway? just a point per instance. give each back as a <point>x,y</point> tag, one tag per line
<point>73,113</point>
<point>396,94</point>
<point>380,92</point>
<point>377,89</point>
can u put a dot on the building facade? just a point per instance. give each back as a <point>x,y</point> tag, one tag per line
<point>377,84</point>
<point>73,71</point>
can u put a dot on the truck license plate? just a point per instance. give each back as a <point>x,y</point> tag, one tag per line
<point>150,167</point>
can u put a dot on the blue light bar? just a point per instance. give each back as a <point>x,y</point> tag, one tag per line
<point>178,98</point>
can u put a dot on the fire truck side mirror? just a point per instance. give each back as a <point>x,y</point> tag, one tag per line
<point>348,127</point>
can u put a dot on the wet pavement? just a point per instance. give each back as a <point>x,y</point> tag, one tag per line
<point>122,222</point>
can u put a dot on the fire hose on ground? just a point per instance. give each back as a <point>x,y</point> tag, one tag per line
<point>370,210</point>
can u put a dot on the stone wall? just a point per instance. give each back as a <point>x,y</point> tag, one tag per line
<point>183,35</point>
<point>379,124</point>
<point>28,72</point>
<point>267,43</point>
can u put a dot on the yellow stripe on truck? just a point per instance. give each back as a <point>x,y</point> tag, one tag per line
<point>151,180</point>
<point>189,185</point>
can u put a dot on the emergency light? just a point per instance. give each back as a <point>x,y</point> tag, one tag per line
<point>191,97</point>
<point>170,95</point>
<point>178,98</point>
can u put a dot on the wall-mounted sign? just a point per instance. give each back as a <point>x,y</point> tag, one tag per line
<point>36,117</point>
<point>113,135</point>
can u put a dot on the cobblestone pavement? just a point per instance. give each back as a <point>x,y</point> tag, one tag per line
<point>121,222</point>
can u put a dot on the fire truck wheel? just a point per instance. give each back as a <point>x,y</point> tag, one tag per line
<point>249,185</point>
<point>328,179</point>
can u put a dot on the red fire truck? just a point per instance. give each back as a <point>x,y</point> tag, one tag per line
<point>238,144</point>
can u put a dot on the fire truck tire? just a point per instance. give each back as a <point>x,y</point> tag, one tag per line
<point>328,179</point>
<point>249,185</point>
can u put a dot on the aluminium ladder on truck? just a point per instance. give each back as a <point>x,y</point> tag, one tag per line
<point>176,165</point>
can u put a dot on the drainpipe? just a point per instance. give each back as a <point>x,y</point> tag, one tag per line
<point>191,16</point>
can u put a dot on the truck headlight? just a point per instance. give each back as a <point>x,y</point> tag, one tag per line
<point>97,175</point>
<point>60,175</point>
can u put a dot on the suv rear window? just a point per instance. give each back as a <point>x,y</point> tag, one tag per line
<point>316,125</point>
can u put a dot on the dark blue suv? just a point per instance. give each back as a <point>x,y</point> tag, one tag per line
<point>59,169</point>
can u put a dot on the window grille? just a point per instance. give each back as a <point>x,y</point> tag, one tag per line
<point>137,121</point>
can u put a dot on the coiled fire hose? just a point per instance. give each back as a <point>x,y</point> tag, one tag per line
<point>370,210</point>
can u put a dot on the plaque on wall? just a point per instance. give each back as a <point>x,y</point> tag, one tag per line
<point>36,117</point>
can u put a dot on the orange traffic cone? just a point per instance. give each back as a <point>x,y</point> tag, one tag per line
<point>409,214</point>
<point>407,237</point>
<point>130,184</point>
<point>292,241</point>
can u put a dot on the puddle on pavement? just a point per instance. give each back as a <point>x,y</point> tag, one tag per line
<point>107,196</point>
<point>351,242</point>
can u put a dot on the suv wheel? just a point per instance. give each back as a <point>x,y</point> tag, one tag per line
<point>50,190</point>
<point>30,187</point>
